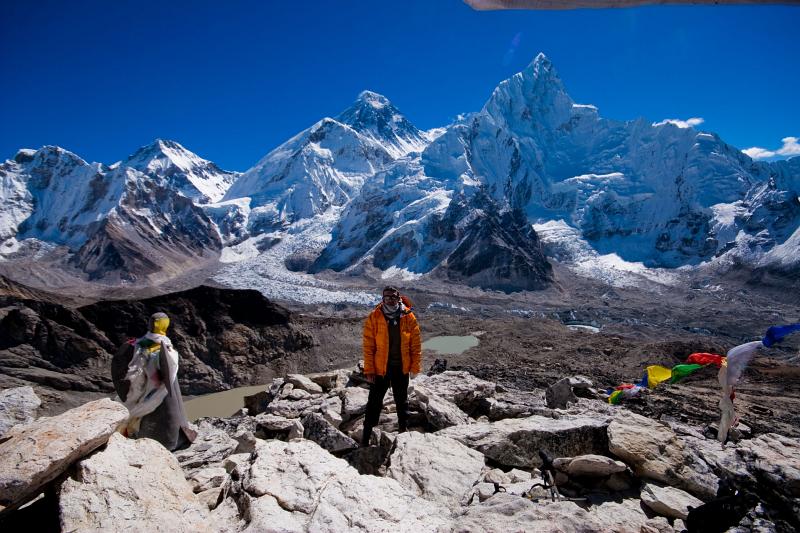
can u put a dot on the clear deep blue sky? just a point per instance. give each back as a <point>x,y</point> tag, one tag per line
<point>232,80</point>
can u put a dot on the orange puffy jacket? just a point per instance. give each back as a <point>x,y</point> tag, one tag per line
<point>376,341</point>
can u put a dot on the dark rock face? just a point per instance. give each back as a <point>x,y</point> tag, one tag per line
<point>499,250</point>
<point>327,436</point>
<point>225,338</point>
<point>173,236</point>
<point>10,287</point>
<point>375,214</point>
<point>50,345</point>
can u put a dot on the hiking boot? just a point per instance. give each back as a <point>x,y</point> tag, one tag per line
<point>365,438</point>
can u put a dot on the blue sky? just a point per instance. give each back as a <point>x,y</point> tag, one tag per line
<point>232,80</point>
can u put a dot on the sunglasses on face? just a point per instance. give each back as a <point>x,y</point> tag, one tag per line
<point>391,297</point>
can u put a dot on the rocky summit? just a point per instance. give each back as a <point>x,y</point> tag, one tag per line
<point>290,462</point>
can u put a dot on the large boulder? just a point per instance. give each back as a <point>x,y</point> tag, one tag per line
<point>132,485</point>
<point>515,404</point>
<point>34,454</point>
<point>289,408</point>
<point>269,426</point>
<point>517,441</point>
<point>298,486</point>
<point>437,468</point>
<point>211,447</point>
<point>774,460</point>
<point>458,387</point>
<point>320,431</point>
<point>331,380</point>
<point>439,412</point>
<point>209,478</point>
<point>331,410</point>
<point>773,464</point>
<point>303,383</point>
<point>655,452</point>
<point>668,501</point>
<point>559,395</point>
<point>354,401</point>
<point>589,465</point>
<point>17,406</point>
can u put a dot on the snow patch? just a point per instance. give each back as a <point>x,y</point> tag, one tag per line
<point>399,273</point>
<point>449,306</point>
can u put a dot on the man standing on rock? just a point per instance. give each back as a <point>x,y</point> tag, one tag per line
<point>392,352</point>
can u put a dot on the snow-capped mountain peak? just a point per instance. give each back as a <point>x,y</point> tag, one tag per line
<point>378,101</point>
<point>322,167</point>
<point>326,165</point>
<point>49,156</point>
<point>112,221</point>
<point>193,176</point>
<point>532,99</point>
<point>374,116</point>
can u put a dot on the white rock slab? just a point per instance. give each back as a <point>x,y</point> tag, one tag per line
<point>508,512</point>
<point>668,501</point>
<point>458,387</point>
<point>516,475</point>
<point>655,452</point>
<point>132,485</point>
<point>318,429</point>
<point>211,497</point>
<point>270,422</point>
<point>302,382</point>
<point>590,465</point>
<point>227,518</point>
<point>266,514</point>
<point>437,468</point>
<point>620,517</point>
<point>495,475</point>
<point>517,441</point>
<point>438,411</point>
<point>209,478</point>
<point>37,453</point>
<point>299,394</point>
<point>17,406</point>
<point>773,459</point>
<point>331,410</point>
<point>294,408</point>
<point>330,380</point>
<point>298,486</point>
<point>354,400</point>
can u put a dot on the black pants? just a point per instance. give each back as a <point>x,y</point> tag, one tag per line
<point>399,384</point>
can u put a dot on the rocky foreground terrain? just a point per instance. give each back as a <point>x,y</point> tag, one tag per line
<point>290,462</point>
<point>471,462</point>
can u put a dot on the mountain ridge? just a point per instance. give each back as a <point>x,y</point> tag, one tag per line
<point>380,190</point>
